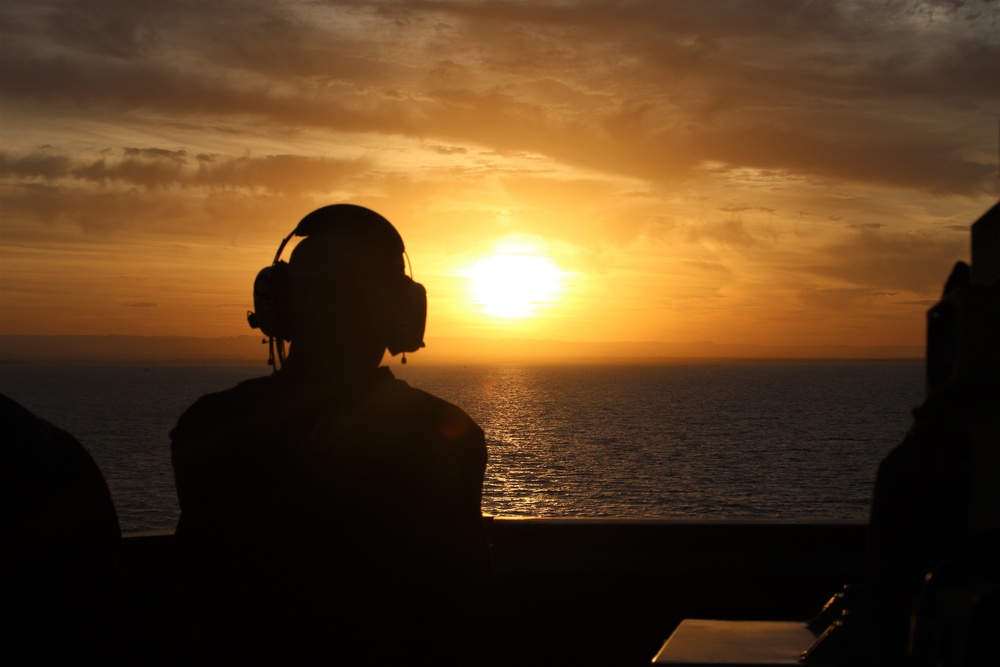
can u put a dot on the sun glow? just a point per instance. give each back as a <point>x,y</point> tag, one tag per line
<point>514,282</point>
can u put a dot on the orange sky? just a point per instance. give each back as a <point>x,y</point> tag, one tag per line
<point>751,172</point>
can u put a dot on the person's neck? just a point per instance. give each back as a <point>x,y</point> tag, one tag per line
<point>331,361</point>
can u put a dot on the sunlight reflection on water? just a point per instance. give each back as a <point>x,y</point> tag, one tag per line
<point>790,440</point>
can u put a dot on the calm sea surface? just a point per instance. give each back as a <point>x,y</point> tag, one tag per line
<point>693,440</point>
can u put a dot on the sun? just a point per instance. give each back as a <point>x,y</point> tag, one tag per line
<point>514,283</point>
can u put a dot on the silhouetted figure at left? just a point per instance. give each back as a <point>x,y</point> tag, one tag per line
<point>62,593</point>
<point>329,511</point>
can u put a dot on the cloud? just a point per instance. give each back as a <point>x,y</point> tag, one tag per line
<point>153,168</point>
<point>157,153</point>
<point>893,260</point>
<point>886,158</point>
<point>836,146</point>
<point>282,174</point>
<point>775,76</point>
<point>730,232</point>
<point>449,150</point>
<point>841,299</point>
<point>36,165</point>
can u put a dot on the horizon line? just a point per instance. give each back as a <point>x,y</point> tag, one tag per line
<point>247,348</point>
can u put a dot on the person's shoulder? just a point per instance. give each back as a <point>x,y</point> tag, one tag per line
<point>424,406</point>
<point>221,406</point>
<point>245,392</point>
<point>404,391</point>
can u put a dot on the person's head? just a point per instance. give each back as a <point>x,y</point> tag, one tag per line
<point>345,290</point>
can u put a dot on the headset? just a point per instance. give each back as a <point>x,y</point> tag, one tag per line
<point>272,290</point>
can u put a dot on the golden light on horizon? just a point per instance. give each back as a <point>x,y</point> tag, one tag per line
<point>515,282</point>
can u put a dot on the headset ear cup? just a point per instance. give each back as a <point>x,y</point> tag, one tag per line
<point>407,331</point>
<point>270,301</point>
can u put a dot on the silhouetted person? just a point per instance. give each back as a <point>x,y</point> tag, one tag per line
<point>934,534</point>
<point>328,509</point>
<point>59,538</point>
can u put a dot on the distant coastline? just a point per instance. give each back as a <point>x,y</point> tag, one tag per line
<point>249,349</point>
<point>130,349</point>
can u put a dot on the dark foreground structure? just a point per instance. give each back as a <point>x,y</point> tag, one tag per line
<point>917,585</point>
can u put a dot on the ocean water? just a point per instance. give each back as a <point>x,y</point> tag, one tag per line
<point>793,440</point>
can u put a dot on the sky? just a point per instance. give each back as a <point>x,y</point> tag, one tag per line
<point>739,172</point>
